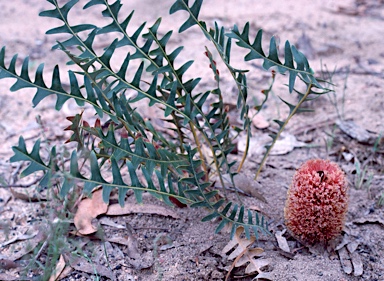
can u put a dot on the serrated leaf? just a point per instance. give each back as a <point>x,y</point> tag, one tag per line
<point>193,11</point>
<point>21,154</point>
<point>292,55</point>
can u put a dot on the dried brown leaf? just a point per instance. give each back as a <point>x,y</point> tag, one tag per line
<point>281,241</point>
<point>246,184</point>
<point>285,144</point>
<point>256,144</point>
<point>243,255</point>
<point>264,275</point>
<point>357,264</point>
<point>345,261</point>
<point>249,254</point>
<point>255,265</point>
<point>83,265</point>
<point>129,208</point>
<point>349,258</point>
<point>32,244</point>
<point>19,237</point>
<point>58,270</point>
<point>7,264</point>
<point>241,243</point>
<point>7,277</point>
<point>66,272</point>
<point>89,209</point>
<point>356,132</point>
<point>352,246</point>
<point>25,196</point>
<point>346,240</point>
<point>234,263</point>
<point>109,222</point>
<point>128,240</point>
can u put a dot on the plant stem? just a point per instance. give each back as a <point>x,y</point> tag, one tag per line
<point>245,152</point>
<point>282,128</point>
<point>198,146</point>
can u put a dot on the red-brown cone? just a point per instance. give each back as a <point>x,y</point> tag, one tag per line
<point>317,201</point>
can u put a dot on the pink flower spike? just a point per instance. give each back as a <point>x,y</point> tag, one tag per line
<point>317,202</point>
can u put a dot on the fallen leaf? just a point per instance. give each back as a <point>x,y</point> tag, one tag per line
<point>346,240</point>
<point>234,263</point>
<point>345,261</point>
<point>7,264</point>
<point>176,202</point>
<point>257,119</point>
<point>357,264</point>
<point>83,265</point>
<point>281,241</point>
<point>257,209</point>
<point>257,144</point>
<point>245,183</point>
<point>19,237</point>
<point>129,208</point>
<point>146,260</point>
<point>255,265</point>
<point>285,144</point>
<point>66,272</point>
<point>349,258</point>
<point>243,255</point>
<point>356,132</point>
<point>89,209</point>
<point>251,253</point>
<point>352,246</point>
<point>58,270</point>
<point>25,196</point>
<point>7,277</point>
<point>109,222</point>
<point>128,240</point>
<point>32,244</point>
<point>241,243</point>
<point>264,275</point>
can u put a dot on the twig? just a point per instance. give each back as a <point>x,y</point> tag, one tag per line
<point>234,189</point>
<point>355,72</point>
<point>151,228</point>
<point>282,126</point>
<point>16,172</point>
<point>21,185</point>
<point>42,248</point>
<point>313,126</point>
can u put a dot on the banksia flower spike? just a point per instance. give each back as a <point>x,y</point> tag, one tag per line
<point>317,202</point>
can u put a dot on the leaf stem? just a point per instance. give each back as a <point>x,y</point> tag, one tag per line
<point>293,111</point>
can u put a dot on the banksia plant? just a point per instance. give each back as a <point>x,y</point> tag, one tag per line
<point>175,152</point>
<point>317,202</point>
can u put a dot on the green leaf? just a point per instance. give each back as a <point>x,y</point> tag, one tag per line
<point>21,154</point>
<point>193,12</point>
<point>272,60</point>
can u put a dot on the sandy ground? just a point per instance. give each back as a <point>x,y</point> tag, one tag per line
<point>343,36</point>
